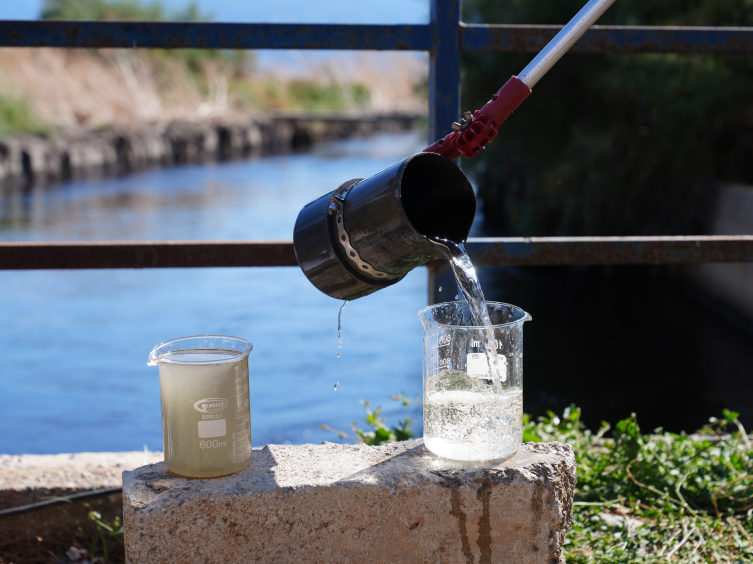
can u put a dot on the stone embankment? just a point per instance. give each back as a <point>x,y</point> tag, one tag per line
<point>37,160</point>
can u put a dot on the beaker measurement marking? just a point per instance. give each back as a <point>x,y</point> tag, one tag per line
<point>444,341</point>
<point>243,405</point>
<point>212,444</point>
<point>243,420</point>
<point>445,362</point>
<point>477,344</point>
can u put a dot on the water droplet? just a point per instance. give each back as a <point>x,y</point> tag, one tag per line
<point>340,328</point>
<point>339,354</point>
<point>440,288</point>
<point>337,385</point>
<point>456,296</point>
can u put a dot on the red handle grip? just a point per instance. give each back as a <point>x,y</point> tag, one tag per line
<point>484,124</point>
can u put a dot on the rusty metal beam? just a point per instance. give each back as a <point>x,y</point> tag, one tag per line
<point>145,254</point>
<point>496,251</point>
<point>566,251</point>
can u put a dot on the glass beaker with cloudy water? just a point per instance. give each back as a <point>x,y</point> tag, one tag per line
<point>471,414</point>
<point>206,414</point>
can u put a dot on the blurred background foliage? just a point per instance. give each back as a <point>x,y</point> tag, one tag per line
<point>118,10</point>
<point>613,144</point>
<point>178,83</point>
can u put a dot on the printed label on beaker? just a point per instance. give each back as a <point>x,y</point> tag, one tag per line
<point>210,405</point>
<point>209,429</point>
<point>477,366</point>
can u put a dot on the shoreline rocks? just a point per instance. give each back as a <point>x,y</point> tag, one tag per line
<point>32,160</point>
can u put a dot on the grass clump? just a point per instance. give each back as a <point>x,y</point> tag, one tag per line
<point>16,118</point>
<point>641,498</point>
<point>309,95</point>
<point>657,497</point>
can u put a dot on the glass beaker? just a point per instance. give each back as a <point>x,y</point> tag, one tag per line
<point>206,414</point>
<point>469,414</point>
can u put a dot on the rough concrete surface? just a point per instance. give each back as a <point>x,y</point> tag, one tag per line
<point>354,503</point>
<point>27,478</point>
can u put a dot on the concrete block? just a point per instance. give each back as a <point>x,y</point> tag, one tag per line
<point>28,478</point>
<point>354,503</point>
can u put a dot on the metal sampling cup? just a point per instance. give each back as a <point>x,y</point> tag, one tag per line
<point>369,233</point>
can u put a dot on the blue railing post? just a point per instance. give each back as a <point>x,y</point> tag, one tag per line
<point>444,69</point>
<point>444,104</point>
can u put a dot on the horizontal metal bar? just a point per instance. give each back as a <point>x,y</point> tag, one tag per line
<point>551,251</point>
<point>204,35</point>
<point>521,251</point>
<point>476,37</point>
<point>145,254</point>
<point>610,39</point>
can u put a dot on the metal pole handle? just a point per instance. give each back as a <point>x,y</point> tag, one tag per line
<point>562,42</point>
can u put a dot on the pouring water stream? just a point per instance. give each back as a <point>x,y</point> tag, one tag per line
<point>467,280</point>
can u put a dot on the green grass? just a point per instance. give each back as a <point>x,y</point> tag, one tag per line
<point>642,498</point>
<point>307,95</point>
<point>676,497</point>
<point>16,118</point>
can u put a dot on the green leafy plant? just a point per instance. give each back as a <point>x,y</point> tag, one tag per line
<point>657,497</point>
<point>378,433</point>
<point>106,535</point>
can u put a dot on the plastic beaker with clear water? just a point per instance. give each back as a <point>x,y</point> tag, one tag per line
<point>206,414</point>
<point>470,413</point>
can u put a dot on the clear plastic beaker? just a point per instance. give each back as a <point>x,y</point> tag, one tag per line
<point>469,413</point>
<point>206,414</point>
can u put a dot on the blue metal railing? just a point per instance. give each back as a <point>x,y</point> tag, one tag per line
<point>445,38</point>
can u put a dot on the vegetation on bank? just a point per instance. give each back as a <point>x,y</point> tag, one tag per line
<point>235,67</point>
<point>186,78</point>
<point>17,118</point>
<point>613,144</point>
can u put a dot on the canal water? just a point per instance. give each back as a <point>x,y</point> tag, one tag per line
<point>75,343</point>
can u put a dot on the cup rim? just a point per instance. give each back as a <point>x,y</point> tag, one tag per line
<point>156,357</point>
<point>422,316</point>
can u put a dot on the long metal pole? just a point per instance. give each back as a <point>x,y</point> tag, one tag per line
<point>562,42</point>
<point>477,129</point>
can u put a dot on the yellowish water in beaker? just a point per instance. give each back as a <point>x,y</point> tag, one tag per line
<point>206,417</point>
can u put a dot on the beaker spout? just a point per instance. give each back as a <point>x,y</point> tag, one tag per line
<point>153,358</point>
